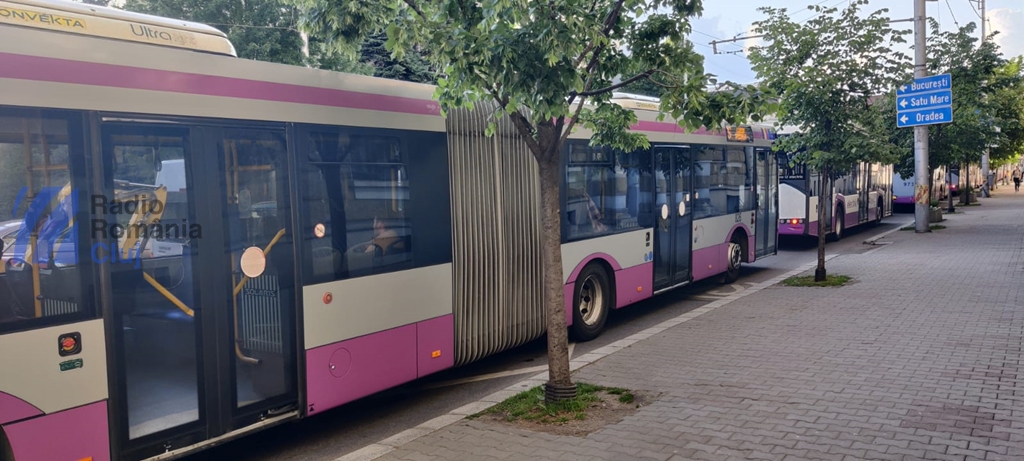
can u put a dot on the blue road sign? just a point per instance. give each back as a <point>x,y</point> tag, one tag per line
<point>926,85</point>
<point>920,117</point>
<point>925,101</point>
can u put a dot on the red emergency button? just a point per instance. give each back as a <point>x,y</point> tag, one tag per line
<point>69,344</point>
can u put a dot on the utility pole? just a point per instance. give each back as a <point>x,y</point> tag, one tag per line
<point>987,187</point>
<point>922,176</point>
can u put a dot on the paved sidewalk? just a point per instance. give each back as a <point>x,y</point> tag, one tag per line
<point>920,358</point>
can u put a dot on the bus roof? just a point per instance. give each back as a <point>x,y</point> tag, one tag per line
<point>636,101</point>
<point>98,21</point>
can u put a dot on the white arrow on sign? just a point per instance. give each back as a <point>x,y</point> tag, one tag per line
<point>903,119</point>
<point>903,88</point>
<point>903,103</point>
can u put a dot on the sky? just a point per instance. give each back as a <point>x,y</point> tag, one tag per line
<point>735,18</point>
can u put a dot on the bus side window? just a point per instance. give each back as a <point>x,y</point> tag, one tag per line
<point>43,219</point>
<point>357,195</point>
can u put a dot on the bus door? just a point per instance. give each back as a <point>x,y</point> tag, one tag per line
<point>674,216</point>
<point>202,281</point>
<point>767,202</point>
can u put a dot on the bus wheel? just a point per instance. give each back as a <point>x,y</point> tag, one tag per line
<point>591,302</point>
<point>732,273</point>
<point>880,213</point>
<point>6,452</point>
<point>840,225</point>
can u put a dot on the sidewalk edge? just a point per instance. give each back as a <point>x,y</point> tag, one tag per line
<point>385,446</point>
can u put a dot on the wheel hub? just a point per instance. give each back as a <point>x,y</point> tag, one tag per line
<point>591,300</point>
<point>735,256</point>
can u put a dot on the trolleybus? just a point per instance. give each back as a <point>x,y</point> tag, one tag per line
<point>903,188</point>
<point>863,196</point>
<point>203,246</point>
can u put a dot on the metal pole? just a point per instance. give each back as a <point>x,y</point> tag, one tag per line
<point>987,184</point>
<point>922,178</point>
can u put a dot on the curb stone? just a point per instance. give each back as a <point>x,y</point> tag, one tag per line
<point>385,446</point>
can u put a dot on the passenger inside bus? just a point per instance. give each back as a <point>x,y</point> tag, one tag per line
<point>583,214</point>
<point>385,241</point>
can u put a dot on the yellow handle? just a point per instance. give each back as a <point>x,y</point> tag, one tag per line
<point>167,294</point>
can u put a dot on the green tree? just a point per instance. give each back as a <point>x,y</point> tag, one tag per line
<point>1008,105</point>
<point>413,67</point>
<point>983,99</point>
<point>322,55</point>
<point>267,30</point>
<point>96,2</point>
<point>550,66</point>
<point>972,69</point>
<point>644,87</point>
<point>826,72</point>
<point>264,30</point>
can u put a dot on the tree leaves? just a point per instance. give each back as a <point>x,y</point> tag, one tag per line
<point>987,93</point>
<point>539,59</point>
<point>826,71</point>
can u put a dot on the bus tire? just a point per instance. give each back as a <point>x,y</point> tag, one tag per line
<point>837,234</point>
<point>6,452</point>
<point>880,213</point>
<point>734,262</point>
<point>592,299</point>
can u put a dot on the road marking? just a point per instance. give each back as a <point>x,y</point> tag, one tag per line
<point>706,297</point>
<point>376,450</point>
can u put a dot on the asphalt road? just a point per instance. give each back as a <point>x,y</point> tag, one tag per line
<point>337,432</point>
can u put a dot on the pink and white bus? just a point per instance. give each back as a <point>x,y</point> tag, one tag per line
<point>864,196</point>
<point>198,247</point>
<point>903,188</point>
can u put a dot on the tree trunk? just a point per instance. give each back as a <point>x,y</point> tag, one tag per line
<point>559,385</point>
<point>931,185</point>
<point>970,189</point>
<point>949,191</point>
<point>824,197</point>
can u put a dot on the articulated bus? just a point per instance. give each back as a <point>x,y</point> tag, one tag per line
<point>198,247</point>
<point>863,196</point>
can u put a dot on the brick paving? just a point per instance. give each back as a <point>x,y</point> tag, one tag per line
<point>919,358</point>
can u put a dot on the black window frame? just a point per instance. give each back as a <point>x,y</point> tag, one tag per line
<point>612,161</point>
<point>429,211</point>
<point>80,174</point>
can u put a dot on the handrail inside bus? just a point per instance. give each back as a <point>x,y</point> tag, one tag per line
<point>167,294</point>
<point>234,300</point>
